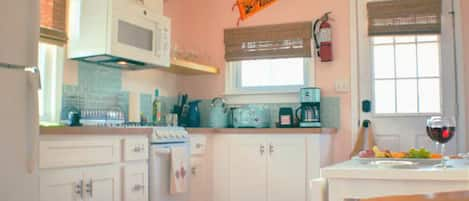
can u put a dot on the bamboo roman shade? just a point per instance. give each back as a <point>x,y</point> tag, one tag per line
<point>269,41</point>
<point>400,17</point>
<point>53,20</point>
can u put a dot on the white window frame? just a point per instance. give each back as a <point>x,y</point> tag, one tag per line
<point>235,94</point>
<point>52,83</point>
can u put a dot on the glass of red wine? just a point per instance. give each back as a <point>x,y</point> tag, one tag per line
<point>441,130</point>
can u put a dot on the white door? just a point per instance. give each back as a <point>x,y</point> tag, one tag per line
<point>102,183</point>
<point>407,79</point>
<point>135,180</point>
<point>248,168</point>
<point>287,168</point>
<point>63,185</point>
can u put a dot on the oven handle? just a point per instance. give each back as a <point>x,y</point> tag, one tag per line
<point>163,151</point>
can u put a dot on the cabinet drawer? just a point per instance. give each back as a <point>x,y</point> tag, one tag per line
<point>135,182</point>
<point>69,153</point>
<point>135,149</point>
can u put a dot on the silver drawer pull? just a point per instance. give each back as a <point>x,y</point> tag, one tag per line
<point>89,188</point>
<point>138,149</point>
<point>79,189</point>
<point>138,187</point>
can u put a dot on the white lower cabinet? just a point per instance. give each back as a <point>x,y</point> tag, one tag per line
<point>287,168</point>
<point>248,168</point>
<point>135,182</point>
<point>63,185</point>
<point>102,183</point>
<point>80,184</point>
<point>103,180</point>
<point>260,168</point>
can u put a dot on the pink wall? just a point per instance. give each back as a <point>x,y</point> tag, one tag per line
<point>198,26</point>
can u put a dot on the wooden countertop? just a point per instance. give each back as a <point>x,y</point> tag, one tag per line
<point>262,130</point>
<point>94,131</point>
<point>448,196</point>
<point>147,131</point>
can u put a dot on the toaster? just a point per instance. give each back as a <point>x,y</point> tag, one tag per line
<point>251,116</point>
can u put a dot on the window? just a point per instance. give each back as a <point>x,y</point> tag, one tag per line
<point>406,74</point>
<point>269,75</point>
<point>50,63</point>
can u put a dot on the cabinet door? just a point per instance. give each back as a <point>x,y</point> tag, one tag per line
<point>248,168</point>
<point>63,185</point>
<point>135,182</point>
<point>287,168</point>
<point>102,183</point>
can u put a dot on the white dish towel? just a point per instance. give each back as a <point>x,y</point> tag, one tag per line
<point>179,170</point>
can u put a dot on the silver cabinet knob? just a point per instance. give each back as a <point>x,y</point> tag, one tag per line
<point>262,149</point>
<point>271,148</point>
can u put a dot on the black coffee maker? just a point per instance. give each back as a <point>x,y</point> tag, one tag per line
<point>308,114</point>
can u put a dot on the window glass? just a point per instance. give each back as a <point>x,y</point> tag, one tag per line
<point>50,64</point>
<point>272,73</point>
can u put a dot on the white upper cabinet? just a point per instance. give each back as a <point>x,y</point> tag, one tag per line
<point>19,30</point>
<point>155,7</point>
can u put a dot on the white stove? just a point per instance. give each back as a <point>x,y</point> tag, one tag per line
<point>162,141</point>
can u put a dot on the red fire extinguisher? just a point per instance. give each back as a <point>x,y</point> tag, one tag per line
<point>323,38</point>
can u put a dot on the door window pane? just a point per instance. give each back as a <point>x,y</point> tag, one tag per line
<point>407,96</point>
<point>406,62</point>
<point>429,60</point>
<point>383,61</point>
<point>429,91</point>
<point>385,96</point>
<point>405,39</point>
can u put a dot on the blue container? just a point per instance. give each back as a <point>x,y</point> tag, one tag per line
<point>194,114</point>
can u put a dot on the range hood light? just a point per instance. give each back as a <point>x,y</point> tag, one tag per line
<point>124,63</point>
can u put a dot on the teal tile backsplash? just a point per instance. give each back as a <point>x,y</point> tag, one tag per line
<point>98,91</point>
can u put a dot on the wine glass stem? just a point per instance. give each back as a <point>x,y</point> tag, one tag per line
<point>443,161</point>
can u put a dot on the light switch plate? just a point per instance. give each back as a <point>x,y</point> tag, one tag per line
<point>342,86</point>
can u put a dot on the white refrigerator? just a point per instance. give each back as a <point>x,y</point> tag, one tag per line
<point>19,126</point>
<point>19,132</point>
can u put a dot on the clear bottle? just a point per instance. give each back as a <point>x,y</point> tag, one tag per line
<point>156,114</point>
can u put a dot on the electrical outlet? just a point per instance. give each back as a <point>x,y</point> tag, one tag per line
<point>342,86</point>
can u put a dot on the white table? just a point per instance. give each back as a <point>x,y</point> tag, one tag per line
<point>358,179</point>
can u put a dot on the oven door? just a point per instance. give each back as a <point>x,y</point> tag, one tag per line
<point>160,164</point>
<point>141,37</point>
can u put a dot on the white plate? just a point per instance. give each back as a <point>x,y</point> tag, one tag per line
<point>393,163</point>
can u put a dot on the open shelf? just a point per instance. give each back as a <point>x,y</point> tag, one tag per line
<point>184,67</point>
